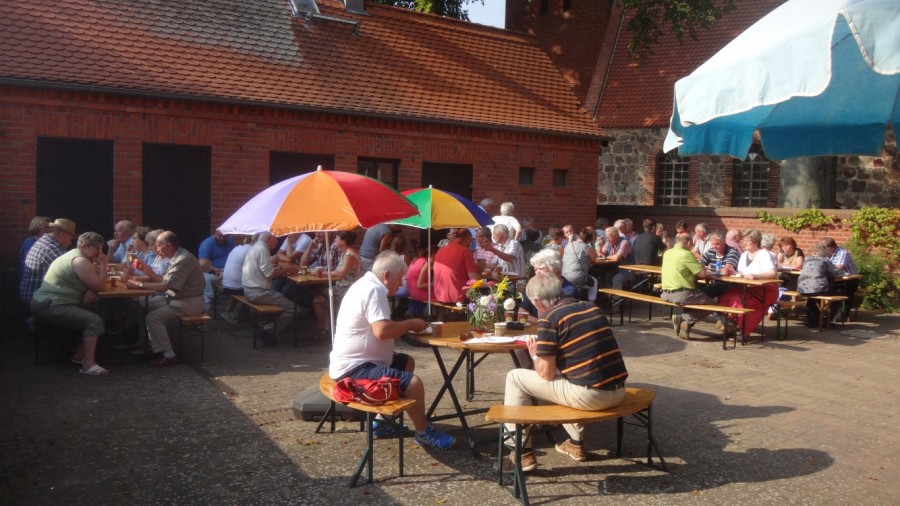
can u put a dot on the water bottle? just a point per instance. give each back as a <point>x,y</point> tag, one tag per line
<point>718,267</point>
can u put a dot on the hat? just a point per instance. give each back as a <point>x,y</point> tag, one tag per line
<point>64,225</point>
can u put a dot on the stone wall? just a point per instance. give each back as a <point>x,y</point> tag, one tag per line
<point>869,181</point>
<point>627,174</point>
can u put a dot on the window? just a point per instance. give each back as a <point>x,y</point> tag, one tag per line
<point>382,170</point>
<point>559,178</point>
<point>526,176</point>
<point>284,165</point>
<point>750,184</point>
<point>671,179</point>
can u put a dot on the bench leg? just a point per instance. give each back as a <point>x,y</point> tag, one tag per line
<point>330,414</point>
<point>644,419</point>
<point>367,458</point>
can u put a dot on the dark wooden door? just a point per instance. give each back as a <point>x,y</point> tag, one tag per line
<point>284,165</point>
<point>452,177</point>
<point>177,191</point>
<point>75,181</point>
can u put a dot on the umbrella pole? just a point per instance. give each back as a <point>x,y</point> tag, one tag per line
<point>428,266</point>
<point>330,288</point>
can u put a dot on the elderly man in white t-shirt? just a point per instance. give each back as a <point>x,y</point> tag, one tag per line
<point>363,345</point>
<point>257,274</point>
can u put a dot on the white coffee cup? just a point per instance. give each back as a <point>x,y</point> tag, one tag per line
<point>500,329</point>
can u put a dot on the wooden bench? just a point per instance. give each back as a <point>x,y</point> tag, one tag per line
<point>193,326</point>
<point>652,299</point>
<point>638,403</point>
<point>388,410</point>
<point>794,307</point>
<point>824,302</point>
<point>263,314</point>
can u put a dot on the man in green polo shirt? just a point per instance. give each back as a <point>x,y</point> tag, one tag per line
<point>680,270</point>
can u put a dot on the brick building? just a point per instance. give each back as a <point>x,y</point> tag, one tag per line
<point>174,113</point>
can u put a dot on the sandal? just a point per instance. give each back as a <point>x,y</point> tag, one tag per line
<point>95,370</point>
<point>79,361</point>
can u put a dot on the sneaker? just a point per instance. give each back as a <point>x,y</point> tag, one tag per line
<point>720,325</point>
<point>434,438</point>
<point>684,331</point>
<point>572,450</point>
<point>229,316</point>
<point>676,323</point>
<point>383,429</point>
<point>529,461</point>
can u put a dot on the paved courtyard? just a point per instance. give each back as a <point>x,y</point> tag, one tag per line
<point>809,420</point>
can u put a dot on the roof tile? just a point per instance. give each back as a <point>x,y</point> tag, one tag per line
<point>642,95</point>
<point>402,64</point>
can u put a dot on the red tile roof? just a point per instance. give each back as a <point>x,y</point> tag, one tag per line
<point>403,64</point>
<point>642,95</point>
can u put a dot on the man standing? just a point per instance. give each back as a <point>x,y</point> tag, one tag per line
<point>648,246</point>
<point>259,269</point>
<point>118,245</point>
<point>680,270</point>
<point>181,292</point>
<point>574,338</point>
<point>364,343</point>
<point>376,240</point>
<point>45,250</point>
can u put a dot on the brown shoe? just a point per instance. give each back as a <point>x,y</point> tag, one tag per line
<point>529,461</point>
<point>684,331</point>
<point>572,450</point>
<point>163,361</point>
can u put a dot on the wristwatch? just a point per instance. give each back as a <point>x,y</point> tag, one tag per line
<point>140,284</point>
<point>534,357</point>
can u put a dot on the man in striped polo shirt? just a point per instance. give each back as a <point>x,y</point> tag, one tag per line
<point>574,338</point>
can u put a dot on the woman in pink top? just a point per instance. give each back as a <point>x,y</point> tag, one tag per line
<point>454,265</point>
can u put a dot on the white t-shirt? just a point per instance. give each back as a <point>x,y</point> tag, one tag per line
<point>762,262</point>
<point>365,302</point>
<point>234,264</point>
<point>511,223</point>
<point>257,268</point>
<point>300,244</point>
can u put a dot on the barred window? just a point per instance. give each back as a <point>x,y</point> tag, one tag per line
<point>750,184</point>
<point>671,179</point>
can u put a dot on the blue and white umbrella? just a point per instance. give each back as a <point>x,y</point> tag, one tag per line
<point>814,77</point>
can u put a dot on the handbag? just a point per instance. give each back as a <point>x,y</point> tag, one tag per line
<point>367,391</point>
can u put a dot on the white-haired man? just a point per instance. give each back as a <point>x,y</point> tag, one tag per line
<point>364,344</point>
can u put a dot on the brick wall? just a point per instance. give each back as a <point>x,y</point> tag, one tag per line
<point>242,137</point>
<point>574,46</point>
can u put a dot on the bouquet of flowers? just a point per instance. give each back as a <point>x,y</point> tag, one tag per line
<point>487,300</point>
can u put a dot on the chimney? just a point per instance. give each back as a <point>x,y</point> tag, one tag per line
<point>355,7</point>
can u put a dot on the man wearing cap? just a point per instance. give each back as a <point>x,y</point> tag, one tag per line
<point>47,249</point>
<point>121,241</point>
<point>182,285</point>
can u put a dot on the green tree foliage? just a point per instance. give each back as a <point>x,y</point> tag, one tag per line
<point>652,18</point>
<point>448,8</point>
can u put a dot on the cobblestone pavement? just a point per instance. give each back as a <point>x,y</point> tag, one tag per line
<point>809,420</point>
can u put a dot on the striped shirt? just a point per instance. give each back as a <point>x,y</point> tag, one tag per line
<point>580,337</point>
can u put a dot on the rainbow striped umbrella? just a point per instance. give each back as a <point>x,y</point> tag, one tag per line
<point>319,201</point>
<point>443,209</point>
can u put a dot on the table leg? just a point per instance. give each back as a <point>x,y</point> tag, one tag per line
<point>448,388</point>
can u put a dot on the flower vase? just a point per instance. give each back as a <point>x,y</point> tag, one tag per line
<point>485,326</point>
